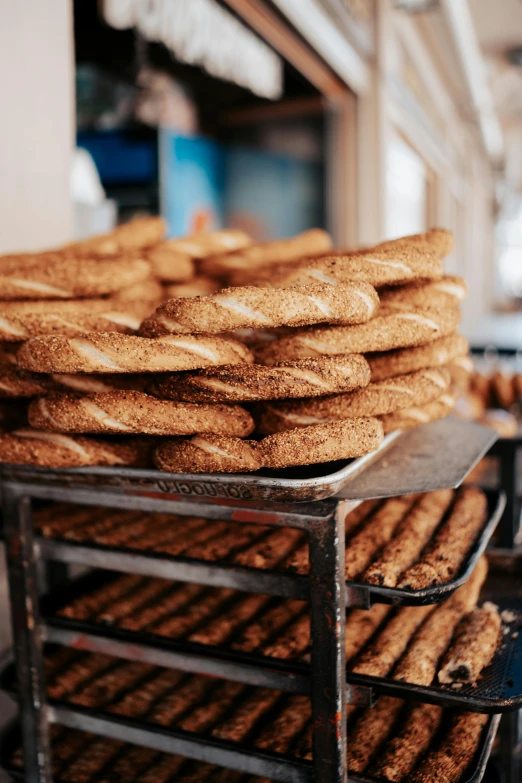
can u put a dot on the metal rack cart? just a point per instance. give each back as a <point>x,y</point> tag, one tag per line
<point>433,457</point>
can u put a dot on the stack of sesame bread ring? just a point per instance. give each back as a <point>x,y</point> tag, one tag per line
<point>311,359</point>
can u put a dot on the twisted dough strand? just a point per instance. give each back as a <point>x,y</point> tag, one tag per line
<point>236,383</point>
<point>134,235</point>
<point>248,307</point>
<point>413,417</point>
<point>382,333</point>
<point>133,412</point>
<point>119,353</point>
<point>208,454</point>
<point>433,294</point>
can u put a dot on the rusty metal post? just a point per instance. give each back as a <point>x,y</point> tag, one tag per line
<point>328,626</point>
<point>25,618</point>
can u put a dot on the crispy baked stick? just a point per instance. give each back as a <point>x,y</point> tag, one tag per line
<point>405,749</point>
<point>419,664</point>
<point>370,730</point>
<point>452,543</point>
<point>379,658</point>
<point>361,549</point>
<point>473,647</point>
<point>409,539</point>
<point>448,762</point>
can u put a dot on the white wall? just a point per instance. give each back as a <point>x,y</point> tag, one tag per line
<point>36,123</point>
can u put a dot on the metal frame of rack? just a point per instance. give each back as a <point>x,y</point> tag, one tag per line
<point>327,592</point>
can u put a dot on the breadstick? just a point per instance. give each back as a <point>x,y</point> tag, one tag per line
<point>305,378</point>
<point>248,307</point>
<point>377,531</point>
<point>361,624</point>
<point>450,291</point>
<point>208,454</point>
<point>438,240</point>
<point>370,731</point>
<point>419,664</point>
<point>452,542</point>
<point>409,539</point>
<point>450,760</point>
<point>378,659</point>
<point>120,353</point>
<point>403,751</point>
<point>133,235</point>
<point>473,647</point>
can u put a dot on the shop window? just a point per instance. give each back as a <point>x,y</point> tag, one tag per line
<point>406,190</point>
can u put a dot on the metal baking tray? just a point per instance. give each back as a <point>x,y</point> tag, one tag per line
<point>498,690</point>
<point>299,484</point>
<point>254,580</point>
<point>435,456</point>
<point>278,768</point>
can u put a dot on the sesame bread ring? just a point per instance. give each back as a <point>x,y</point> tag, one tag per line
<point>461,369</point>
<point>377,399</point>
<point>413,417</point>
<point>132,412</point>
<point>438,240</point>
<point>383,333</point>
<point>436,354</point>
<point>199,286</point>
<point>52,276</point>
<point>247,382</point>
<point>446,293</point>
<point>321,443</point>
<point>377,267</point>
<point>168,264</point>
<point>133,235</point>
<point>208,454</point>
<point>248,307</point>
<point>23,320</point>
<point>148,294</point>
<point>308,243</point>
<point>49,450</point>
<point>121,353</point>
<point>20,384</point>
<point>214,243</point>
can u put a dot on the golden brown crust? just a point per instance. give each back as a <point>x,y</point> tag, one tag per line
<point>269,253</point>
<point>168,264</point>
<point>208,454</point>
<point>382,333</point>
<point>449,761</point>
<point>133,235</point>
<point>413,417</point>
<point>409,539</point>
<point>375,533</point>
<point>404,750</point>
<point>247,382</point>
<point>438,240</point>
<point>370,731</point>
<point>20,384</point>
<point>503,389</point>
<point>23,320</point>
<point>132,412</point>
<point>379,267</point>
<point>53,276</point>
<point>461,368</point>
<point>49,450</point>
<point>451,544</point>
<point>321,443</point>
<point>146,294</point>
<point>200,246</point>
<point>473,646</point>
<point>376,399</point>
<point>199,286</point>
<point>118,353</point>
<point>446,293</point>
<point>404,360</point>
<point>248,307</point>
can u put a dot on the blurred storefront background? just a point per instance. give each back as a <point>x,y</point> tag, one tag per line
<point>372,118</point>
